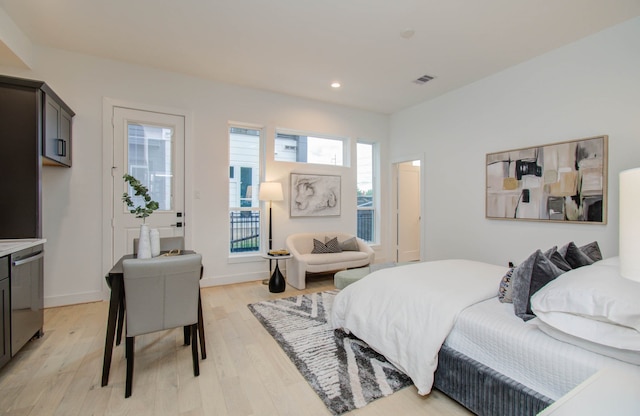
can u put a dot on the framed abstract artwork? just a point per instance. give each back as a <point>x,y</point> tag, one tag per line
<point>561,182</point>
<point>315,195</point>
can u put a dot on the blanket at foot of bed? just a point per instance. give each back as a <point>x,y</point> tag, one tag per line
<point>405,313</point>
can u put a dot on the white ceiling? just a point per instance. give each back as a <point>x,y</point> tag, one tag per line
<point>298,47</point>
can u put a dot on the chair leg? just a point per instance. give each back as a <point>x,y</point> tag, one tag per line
<point>194,350</point>
<point>187,335</point>
<point>129,351</point>
<point>121,313</point>
<point>203,343</point>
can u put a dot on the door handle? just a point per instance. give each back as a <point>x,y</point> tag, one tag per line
<point>178,225</point>
<point>61,147</point>
<point>28,259</point>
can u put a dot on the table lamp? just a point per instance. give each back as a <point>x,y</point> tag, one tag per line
<point>630,224</point>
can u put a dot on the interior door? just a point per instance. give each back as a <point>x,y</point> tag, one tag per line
<point>149,146</point>
<point>408,211</point>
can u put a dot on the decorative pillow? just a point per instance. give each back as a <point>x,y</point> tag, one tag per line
<point>594,303</point>
<point>574,256</point>
<point>550,252</point>
<point>505,290</point>
<point>350,244</point>
<point>557,259</point>
<point>535,272</point>
<point>332,246</point>
<point>592,250</point>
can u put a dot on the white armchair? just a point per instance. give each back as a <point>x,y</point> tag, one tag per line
<point>303,261</point>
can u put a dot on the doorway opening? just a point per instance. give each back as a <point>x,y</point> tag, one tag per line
<point>408,208</point>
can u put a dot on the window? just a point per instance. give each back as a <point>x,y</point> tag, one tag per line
<point>150,161</point>
<point>366,192</point>
<point>244,178</point>
<point>299,147</point>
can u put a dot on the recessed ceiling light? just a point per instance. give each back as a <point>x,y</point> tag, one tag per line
<point>407,33</point>
<point>335,85</point>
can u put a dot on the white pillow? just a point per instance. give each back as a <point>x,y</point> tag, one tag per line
<point>594,303</point>
<point>632,357</point>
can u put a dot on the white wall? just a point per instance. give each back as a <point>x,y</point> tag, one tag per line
<point>588,88</point>
<point>73,198</point>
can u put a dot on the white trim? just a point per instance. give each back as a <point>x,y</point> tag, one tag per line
<point>393,225</point>
<point>65,300</point>
<point>244,258</point>
<point>231,279</point>
<point>376,186</point>
<point>108,104</point>
<point>234,258</point>
<point>346,146</point>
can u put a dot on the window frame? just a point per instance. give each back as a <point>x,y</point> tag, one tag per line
<point>375,188</point>
<point>240,257</point>
<point>344,140</point>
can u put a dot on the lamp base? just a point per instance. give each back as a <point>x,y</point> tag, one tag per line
<point>277,284</point>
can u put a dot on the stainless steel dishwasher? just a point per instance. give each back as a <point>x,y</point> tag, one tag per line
<point>26,277</point>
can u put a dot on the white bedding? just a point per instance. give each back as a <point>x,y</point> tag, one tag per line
<point>405,313</point>
<point>491,334</point>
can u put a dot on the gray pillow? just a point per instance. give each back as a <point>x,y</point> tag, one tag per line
<point>557,259</point>
<point>592,250</point>
<point>574,256</point>
<point>535,272</point>
<point>332,246</point>
<point>350,244</point>
<point>505,290</point>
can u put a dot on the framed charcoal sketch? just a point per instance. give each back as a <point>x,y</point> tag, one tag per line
<point>561,182</point>
<point>315,195</point>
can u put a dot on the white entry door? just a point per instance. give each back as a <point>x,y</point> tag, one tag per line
<point>149,146</point>
<point>408,213</point>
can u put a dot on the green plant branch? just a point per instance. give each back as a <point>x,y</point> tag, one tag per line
<point>140,211</point>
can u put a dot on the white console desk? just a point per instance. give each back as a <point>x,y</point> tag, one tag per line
<point>608,392</point>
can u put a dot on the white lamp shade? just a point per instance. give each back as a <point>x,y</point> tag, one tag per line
<point>630,224</point>
<point>271,191</point>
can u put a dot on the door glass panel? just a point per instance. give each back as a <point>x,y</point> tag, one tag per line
<point>149,161</point>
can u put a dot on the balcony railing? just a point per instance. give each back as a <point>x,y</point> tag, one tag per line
<point>366,223</point>
<point>245,231</point>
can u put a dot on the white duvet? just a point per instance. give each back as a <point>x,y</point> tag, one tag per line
<point>406,312</point>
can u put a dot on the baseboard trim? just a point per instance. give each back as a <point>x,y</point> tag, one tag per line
<point>65,300</point>
<point>231,279</point>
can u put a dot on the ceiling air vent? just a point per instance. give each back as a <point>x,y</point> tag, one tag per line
<point>423,79</point>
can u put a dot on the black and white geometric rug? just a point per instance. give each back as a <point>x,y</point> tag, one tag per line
<point>342,370</point>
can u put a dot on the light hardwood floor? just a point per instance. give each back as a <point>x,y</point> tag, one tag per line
<point>245,373</point>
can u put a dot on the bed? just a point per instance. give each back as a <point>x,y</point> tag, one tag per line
<point>443,324</point>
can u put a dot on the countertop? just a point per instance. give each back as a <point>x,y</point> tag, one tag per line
<point>12,245</point>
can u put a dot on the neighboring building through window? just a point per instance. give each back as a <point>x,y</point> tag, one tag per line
<point>366,192</point>
<point>303,148</point>
<point>150,162</point>
<point>244,179</point>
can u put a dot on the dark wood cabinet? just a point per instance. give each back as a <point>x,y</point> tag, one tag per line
<point>57,132</point>
<point>20,161</point>
<point>5,313</point>
<point>35,129</point>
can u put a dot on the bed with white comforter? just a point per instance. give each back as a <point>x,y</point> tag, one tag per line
<point>405,313</point>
